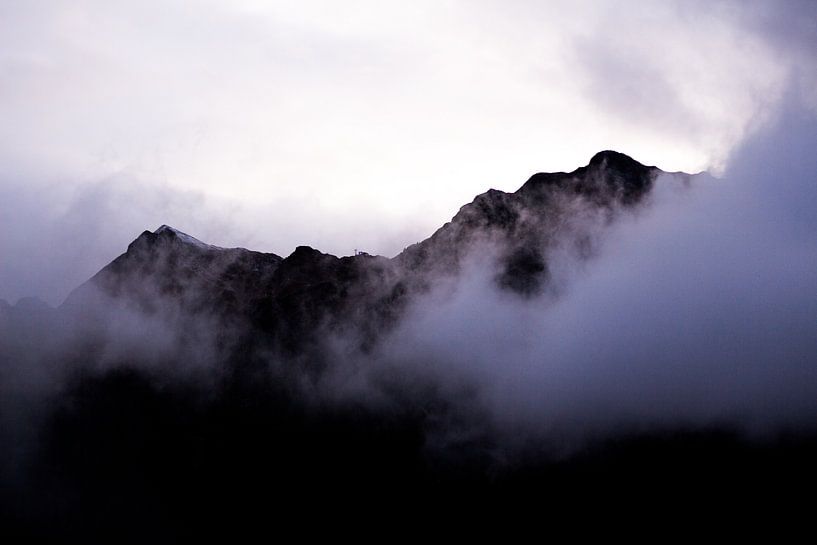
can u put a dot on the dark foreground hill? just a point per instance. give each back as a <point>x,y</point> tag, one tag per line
<point>188,391</point>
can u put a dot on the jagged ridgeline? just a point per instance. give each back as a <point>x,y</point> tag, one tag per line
<point>284,303</point>
<point>186,381</point>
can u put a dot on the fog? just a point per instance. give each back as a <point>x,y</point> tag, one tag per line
<point>697,311</point>
<point>692,312</point>
<point>156,396</point>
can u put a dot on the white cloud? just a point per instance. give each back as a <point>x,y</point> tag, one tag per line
<point>367,124</point>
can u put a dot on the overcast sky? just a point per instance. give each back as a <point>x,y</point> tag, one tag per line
<point>355,124</point>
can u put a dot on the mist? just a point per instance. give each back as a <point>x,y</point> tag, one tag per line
<point>698,311</point>
<point>185,383</point>
<point>58,236</point>
<point>346,132</point>
<point>692,312</point>
<point>695,309</point>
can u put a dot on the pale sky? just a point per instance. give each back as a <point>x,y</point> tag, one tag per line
<point>354,124</point>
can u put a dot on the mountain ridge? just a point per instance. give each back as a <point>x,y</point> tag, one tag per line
<point>611,159</point>
<point>288,303</point>
<point>199,379</point>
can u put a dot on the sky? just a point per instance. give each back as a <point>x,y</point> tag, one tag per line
<point>357,124</point>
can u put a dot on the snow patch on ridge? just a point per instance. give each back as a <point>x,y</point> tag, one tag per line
<point>184,237</point>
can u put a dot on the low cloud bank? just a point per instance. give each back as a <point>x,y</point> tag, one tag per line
<point>699,310</point>
<point>695,310</point>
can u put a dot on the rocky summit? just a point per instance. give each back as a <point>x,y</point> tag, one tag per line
<point>283,303</point>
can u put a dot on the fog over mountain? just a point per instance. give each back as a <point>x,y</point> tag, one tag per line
<point>614,322</point>
<point>270,125</point>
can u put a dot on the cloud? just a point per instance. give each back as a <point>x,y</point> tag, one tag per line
<point>687,314</point>
<point>57,237</point>
<point>364,127</point>
<point>270,127</point>
<point>698,311</point>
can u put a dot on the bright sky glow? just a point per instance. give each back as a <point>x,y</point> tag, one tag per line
<point>361,123</point>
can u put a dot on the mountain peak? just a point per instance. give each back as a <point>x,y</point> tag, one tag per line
<point>615,159</point>
<point>169,235</point>
<point>168,231</point>
<point>164,228</point>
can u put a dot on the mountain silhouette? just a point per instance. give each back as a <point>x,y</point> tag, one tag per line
<point>190,392</point>
<point>285,303</point>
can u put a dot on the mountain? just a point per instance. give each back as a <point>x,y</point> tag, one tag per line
<point>523,226</point>
<point>287,303</point>
<point>188,387</point>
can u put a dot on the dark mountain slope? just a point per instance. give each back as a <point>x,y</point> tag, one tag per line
<point>291,301</point>
<point>524,226</point>
<point>176,396</point>
<point>168,266</point>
